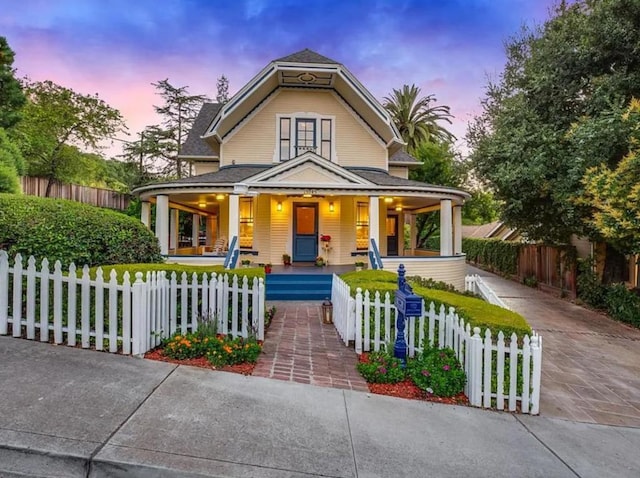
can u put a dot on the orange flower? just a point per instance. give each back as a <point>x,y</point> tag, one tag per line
<point>227,349</point>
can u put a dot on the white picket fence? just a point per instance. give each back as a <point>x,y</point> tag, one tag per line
<point>475,284</point>
<point>515,378</point>
<point>122,317</point>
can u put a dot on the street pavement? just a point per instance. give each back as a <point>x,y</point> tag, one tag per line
<point>66,412</point>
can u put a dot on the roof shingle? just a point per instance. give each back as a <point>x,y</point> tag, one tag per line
<point>195,145</point>
<point>307,56</point>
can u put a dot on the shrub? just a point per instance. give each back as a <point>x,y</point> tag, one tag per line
<point>381,367</point>
<point>73,232</point>
<point>9,181</point>
<point>438,372</point>
<point>499,255</point>
<point>178,269</point>
<point>475,311</point>
<point>623,304</point>
<point>589,287</point>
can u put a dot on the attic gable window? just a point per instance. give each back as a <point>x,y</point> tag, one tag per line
<point>308,132</point>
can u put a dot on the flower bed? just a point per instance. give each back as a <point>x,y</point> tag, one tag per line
<point>436,375</point>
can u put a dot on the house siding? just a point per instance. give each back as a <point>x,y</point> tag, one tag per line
<point>255,141</point>
<point>448,269</point>
<point>399,171</point>
<point>202,167</point>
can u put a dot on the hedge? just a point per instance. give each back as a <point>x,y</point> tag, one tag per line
<point>72,232</point>
<point>501,256</point>
<point>178,269</point>
<point>476,312</point>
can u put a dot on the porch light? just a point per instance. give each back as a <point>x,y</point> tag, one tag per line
<point>202,205</point>
<point>398,208</point>
<point>307,195</point>
<point>331,207</point>
<point>279,206</point>
<point>388,200</point>
<point>327,311</point>
<point>220,197</point>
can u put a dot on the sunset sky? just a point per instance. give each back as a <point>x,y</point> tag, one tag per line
<point>117,48</point>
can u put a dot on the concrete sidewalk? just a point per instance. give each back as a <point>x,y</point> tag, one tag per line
<point>70,412</point>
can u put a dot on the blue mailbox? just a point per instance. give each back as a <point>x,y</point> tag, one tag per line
<point>408,304</point>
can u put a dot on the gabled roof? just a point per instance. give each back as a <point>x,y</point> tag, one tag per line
<point>195,146</point>
<point>402,157</point>
<point>307,56</point>
<point>305,69</point>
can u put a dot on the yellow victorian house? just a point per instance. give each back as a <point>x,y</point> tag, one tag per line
<point>304,161</point>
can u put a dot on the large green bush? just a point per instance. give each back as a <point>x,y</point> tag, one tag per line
<point>501,256</point>
<point>72,232</point>
<point>475,311</point>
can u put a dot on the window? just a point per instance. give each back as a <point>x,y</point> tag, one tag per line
<point>362,226</point>
<point>297,135</point>
<point>246,223</point>
<point>285,139</point>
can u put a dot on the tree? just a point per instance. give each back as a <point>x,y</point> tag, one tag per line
<point>614,192</point>
<point>223,90</point>
<point>582,63</point>
<point>11,96</point>
<point>11,164</point>
<point>438,166</point>
<point>179,111</point>
<point>416,119</point>
<point>480,208</point>
<point>57,120</point>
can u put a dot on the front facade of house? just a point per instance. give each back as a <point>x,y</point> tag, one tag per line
<point>304,153</point>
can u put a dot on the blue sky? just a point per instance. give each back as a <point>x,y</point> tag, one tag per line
<point>116,48</point>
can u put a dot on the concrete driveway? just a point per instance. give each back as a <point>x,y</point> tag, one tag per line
<point>590,363</point>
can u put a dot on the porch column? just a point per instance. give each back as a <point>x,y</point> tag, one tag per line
<point>208,223</point>
<point>457,229</point>
<point>412,234</point>
<point>446,232</point>
<point>195,231</point>
<point>145,213</point>
<point>173,228</point>
<point>234,217</point>
<point>162,223</point>
<point>374,220</point>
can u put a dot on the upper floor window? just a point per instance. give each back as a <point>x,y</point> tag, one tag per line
<point>299,134</point>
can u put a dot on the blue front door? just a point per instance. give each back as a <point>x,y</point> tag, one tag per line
<point>305,232</point>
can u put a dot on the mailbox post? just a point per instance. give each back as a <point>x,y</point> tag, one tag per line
<point>408,305</point>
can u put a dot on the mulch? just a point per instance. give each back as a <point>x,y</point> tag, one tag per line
<point>202,362</point>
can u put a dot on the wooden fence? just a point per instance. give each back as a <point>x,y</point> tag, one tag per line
<point>499,372</point>
<point>122,316</point>
<point>33,186</point>
<point>552,267</point>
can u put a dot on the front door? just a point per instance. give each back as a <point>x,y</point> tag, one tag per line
<point>305,232</point>
<point>392,235</point>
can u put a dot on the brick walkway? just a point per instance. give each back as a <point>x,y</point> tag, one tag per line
<point>590,363</point>
<point>298,347</point>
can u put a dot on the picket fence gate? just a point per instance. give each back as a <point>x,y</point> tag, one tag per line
<point>127,317</point>
<point>500,373</point>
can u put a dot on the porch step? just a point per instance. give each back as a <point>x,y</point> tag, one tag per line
<point>298,286</point>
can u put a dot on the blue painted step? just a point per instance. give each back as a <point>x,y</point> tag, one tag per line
<point>298,286</point>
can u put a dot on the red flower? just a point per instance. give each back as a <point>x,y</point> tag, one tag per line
<point>325,237</point>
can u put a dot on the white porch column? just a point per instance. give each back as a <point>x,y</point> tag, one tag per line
<point>234,217</point>
<point>173,228</point>
<point>162,223</point>
<point>195,230</point>
<point>457,229</point>
<point>145,213</point>
<point>446,230</point>
<point>412,234</point>
<point>374,220</point>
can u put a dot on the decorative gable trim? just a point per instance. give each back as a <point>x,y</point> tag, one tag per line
<point>310,159</point>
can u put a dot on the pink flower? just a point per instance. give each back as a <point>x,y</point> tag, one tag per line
<point>426,373</point>
<point>382,370</point>
<point>446,368</point>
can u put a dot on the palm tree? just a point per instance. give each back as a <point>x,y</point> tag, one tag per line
<point>416,119</point>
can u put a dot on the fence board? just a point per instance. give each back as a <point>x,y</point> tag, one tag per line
<point>35,186</point>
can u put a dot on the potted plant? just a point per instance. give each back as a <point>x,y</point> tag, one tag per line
<point>267,268</point>
<point>320,261</point>
<point>286,259</point>
<point>359,266</point>
<point>245,263</point>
